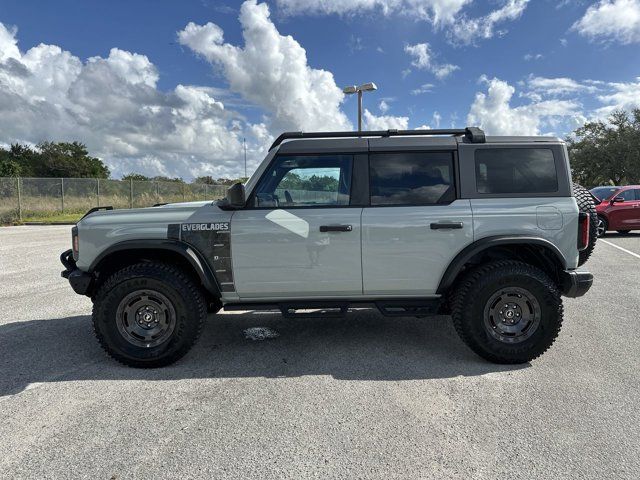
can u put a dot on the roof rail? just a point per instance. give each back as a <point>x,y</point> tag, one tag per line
<point>473,134</point>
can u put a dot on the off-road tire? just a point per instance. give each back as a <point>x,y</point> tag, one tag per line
<point>587,205</point>
<point>475,290</point>
<point>173,284</point>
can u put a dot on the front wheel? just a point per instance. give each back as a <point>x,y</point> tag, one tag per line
<point>148,315</point>
<point>507,311</point>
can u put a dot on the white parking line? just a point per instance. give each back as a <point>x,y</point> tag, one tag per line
<point>619,248</point>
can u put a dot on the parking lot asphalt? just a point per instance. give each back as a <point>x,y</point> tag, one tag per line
<point>361,397</point>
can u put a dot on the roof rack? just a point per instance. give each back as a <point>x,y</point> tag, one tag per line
<point>473,134</point>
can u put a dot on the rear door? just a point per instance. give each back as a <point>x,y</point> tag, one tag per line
<point>415,223</point>
<point>300,234</point>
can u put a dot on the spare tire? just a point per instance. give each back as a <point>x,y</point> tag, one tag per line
<point>587,205</point>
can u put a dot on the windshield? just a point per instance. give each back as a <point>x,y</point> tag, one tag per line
<point>603,192</point>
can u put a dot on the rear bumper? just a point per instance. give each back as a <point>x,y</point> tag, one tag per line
<point>80,281</point>
<point>575,283</point>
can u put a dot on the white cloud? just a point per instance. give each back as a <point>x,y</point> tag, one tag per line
<point>620,96</point>
<point>611,20</point>
<point>384,122</point>
<point>558,86</point>
<point>114,106</point>
<point>438,12</point>
<point>530,56</point>
<point>466,30</point>
<point>421,54</point>
<point>383,106</point>
<point>493,111</point>
<point>8,44</point>
<point>437,118</point>
<point>424,88</point>
<point>423,60</point>
<point>443,71</point>
<point>271,71</point>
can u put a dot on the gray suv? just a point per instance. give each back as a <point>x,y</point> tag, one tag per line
<point>413,223</point>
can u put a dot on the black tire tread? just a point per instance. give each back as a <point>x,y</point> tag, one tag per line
<point>464,292</point>
<point>586,204</point>
<point>179,280</point>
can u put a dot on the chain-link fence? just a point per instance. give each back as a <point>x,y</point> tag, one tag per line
<point>33,198</point>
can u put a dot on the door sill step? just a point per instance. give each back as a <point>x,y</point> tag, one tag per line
<point>333,308</point>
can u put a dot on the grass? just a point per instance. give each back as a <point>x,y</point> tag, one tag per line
<point>51,217</point>
<point>48,209</point>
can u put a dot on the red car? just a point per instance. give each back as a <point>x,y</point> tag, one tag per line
<point>619,209</point>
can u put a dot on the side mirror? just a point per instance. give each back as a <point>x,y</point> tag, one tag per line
<point>618,199</point>
<point>236,196</point>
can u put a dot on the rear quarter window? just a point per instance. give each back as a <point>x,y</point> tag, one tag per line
<point>515,171</point>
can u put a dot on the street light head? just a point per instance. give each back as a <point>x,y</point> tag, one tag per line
<point>350,89</point>
<point>365,87</point>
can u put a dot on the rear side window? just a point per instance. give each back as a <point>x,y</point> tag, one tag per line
<point>411,178</point>
<point>515,170</point>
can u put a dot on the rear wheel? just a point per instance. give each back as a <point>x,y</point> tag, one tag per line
<point>586,204</point>
<point>602,225</point>
<point>507,311</point>
<point>148,315</point>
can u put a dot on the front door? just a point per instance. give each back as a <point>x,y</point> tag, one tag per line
<point>625,215</point>
<point>299,235</point>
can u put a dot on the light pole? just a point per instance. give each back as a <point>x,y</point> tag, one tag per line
<point>244,144</point>
<point>365,87</point>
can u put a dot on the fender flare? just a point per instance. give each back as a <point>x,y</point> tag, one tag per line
<point>185,250</point>
<point>478,246</point>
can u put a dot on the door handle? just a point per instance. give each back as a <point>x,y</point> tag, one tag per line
<point>336,228</point>
<point>446,226</point>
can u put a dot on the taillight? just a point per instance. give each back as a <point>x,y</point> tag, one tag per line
<point>583,230</point>
<point>74,242</point>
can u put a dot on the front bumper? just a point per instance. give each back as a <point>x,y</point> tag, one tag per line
<point>575,283</point>
<point>80,281</point>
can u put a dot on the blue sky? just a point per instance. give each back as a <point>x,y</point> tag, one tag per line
<point>181,104</point>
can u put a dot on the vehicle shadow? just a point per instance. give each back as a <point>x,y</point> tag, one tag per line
<point>363,346</point>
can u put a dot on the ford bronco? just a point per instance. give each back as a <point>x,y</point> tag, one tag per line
<point>490,230</point>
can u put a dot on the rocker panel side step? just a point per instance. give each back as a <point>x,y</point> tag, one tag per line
<point>316,309</point>
<point>409,308</point>
<point>335,308</point>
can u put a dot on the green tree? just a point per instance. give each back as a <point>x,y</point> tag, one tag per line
<point>318,183</point>
<point>8,165</point>
<point>162,178</point>
<point>207,179</point>
<point>51,159</point>
<point>136,177</point>
<point>65,159</point>
<point>607,153</point>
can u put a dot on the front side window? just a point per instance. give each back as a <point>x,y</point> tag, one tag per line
<point>602,193</point>
<point>515,170</point>
<point>411,178</point>
<point>306,181</point>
